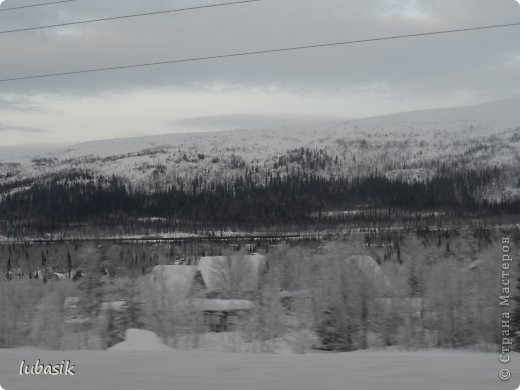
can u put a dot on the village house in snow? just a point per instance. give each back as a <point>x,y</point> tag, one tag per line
<point>216,286</point>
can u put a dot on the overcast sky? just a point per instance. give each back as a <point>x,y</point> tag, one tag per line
<point>338,82</point>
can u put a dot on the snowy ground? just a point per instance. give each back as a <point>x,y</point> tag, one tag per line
<point>176,370</point>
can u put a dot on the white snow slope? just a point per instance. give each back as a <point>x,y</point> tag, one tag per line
<point>175,370</point>
<point>401,145</point>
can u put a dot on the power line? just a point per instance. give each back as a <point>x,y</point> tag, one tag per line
<point>130,16</point>
<point>36,5</point>
<point>258,52</point>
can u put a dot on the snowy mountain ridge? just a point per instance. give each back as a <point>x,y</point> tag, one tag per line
<point>408,145</point>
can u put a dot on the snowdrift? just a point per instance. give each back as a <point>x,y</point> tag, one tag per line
<point>140,340</point>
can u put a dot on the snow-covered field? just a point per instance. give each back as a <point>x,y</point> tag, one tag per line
<point>176,370</point>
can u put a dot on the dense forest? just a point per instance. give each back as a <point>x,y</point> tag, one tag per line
<point>246,202</point>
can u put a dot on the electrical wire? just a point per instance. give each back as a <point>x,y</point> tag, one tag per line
<point>130,16</point>
<point>36,5</point>
<point>259,52</point>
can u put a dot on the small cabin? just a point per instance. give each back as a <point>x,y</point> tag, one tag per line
<point>208,287</point>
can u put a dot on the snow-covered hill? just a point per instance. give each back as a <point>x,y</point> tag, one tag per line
<point>408,145</point>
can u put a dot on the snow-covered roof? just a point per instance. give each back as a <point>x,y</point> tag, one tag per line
<point>80,320</point>
<point>473,266</point>
<point>297,294</point>
<point>370,269</point>
<point>216,270</point>
<point>221,304</point>
<point>174,278</point>
<point>407,304</point>
<point>114,305</point>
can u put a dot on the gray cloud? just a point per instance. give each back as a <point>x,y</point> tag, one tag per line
<point>21,129</point>
<point>245,121</point>
<point>354,80</point>
<point>18,104</point>
<point>472,61</point>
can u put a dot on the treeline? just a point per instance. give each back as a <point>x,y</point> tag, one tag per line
<point>248,201</point>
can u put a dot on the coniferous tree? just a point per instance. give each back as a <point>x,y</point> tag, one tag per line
<point>69,264</point>
<point>91,283</point>
<point>415,287</point>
